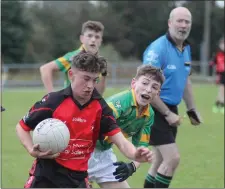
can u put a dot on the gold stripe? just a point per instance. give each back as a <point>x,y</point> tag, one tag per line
<point>145,112</point>
<point>125,134</point>
<point>113,108</point>
<point>145,138</point>
<point>65,63</point>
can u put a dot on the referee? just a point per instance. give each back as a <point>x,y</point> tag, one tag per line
<point>171,53</point>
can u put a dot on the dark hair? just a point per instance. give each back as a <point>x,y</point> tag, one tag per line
<point>150,70</point>
<point>92,25</point>
<point>89,62</point>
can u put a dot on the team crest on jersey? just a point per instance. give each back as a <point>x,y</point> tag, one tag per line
<point>45,98</point>
<point>117,104</point>
<point>152,57</point>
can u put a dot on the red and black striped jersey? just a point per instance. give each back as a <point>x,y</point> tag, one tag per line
<point>86,124</point>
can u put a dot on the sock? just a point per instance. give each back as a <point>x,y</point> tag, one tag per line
<point>217,104</point>
<point>162,181</point>
<point>149,181</point>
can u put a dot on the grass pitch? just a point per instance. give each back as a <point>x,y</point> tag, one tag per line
<point>201,148</point>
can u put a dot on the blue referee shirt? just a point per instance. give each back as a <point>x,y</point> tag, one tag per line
<point>175,63</point>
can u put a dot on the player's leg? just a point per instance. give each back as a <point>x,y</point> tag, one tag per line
<point>156,162</point>
<point>114,184</point>
<point>171,159</point>
<point>219,104</point>
<point>221,92</point>
<point>221,98</point>
<point>38,182</point>
<point>101,168</point>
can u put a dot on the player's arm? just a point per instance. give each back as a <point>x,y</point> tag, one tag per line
<point>100,86</point>
<point>188,98</point>
<point>141,138</point>
<point>40,111</point>
<point>47,70</point>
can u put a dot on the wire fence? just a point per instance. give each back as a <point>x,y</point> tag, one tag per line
<point>120,74</point>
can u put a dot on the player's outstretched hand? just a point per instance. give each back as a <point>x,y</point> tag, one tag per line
<point>143,154</point>
<point>124,170</point>
<point>194,117</point>
<point>173,119</point>
<point>35,152</point>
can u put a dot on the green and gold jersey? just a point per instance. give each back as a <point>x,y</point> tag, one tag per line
<point>132,125</point>
<point>64,63</point>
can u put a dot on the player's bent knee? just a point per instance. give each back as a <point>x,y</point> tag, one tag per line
<point>172,162</point>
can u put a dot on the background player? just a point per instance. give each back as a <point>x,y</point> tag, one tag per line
<point>134,116</point>
<point>91,39</point>
<point>218,62</point>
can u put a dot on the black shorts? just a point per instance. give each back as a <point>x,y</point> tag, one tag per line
<point>221,78</point>
<point>161,132</point>
<point>43,182</point>
<point>49,174</point>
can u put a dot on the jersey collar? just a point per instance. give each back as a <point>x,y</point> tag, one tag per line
<point>82,48</point>
<point>170,39</point>
<point>68,92</point>
<point>134,103</point>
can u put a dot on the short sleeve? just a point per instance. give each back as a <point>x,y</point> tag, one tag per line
<point>116,108</point>
<point>64,62</point>
<point>153,56</point>
<point>40,110</point>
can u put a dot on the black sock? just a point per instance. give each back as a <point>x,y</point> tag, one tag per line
<point>217,103</point>
<point>149,181</point>
<point>162,181</point>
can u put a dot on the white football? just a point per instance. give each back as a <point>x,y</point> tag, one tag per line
<point>51,134</point>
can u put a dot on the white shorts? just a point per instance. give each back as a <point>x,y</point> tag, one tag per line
<point>100,166</point>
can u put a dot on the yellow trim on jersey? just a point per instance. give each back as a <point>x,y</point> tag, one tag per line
<point>109,141</point>
<point>146,112</point>
<point>82,48</point>
<point>145,138</point>
<point>64,62</point>
<point>125,134</point>
<point>110,104</point>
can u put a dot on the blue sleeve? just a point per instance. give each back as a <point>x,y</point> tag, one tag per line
<point>153,55</point>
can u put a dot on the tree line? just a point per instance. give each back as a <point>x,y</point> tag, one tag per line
<point>38,33</point>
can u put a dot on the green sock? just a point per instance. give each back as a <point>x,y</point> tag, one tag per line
<point>162,181</point>
<point>149,181</point>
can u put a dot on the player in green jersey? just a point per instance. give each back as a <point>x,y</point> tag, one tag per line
<point>134,116</point>
<point>91,39</point>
